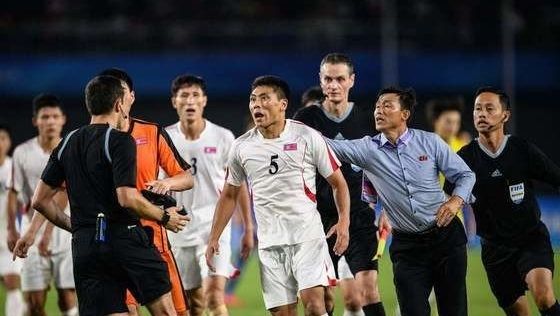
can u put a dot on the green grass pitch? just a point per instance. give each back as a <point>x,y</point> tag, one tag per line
<point>481,300</point>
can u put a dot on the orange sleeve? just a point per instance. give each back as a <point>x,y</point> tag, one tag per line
<point>168,156</point>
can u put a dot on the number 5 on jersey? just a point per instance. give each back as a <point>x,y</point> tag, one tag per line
<point>273,169</point>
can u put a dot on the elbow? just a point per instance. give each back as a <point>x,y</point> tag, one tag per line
<point>38,205</point>
<point>124,197</point>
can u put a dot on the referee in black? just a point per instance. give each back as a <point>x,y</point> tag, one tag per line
<point>111,252</point>
<point>516,249</point>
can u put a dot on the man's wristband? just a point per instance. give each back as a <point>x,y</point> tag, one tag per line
<point>164,218</point>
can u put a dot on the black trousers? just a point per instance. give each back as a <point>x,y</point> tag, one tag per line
<point>435,259</point>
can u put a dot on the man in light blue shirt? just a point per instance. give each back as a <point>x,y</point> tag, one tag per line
<point>428,248</point>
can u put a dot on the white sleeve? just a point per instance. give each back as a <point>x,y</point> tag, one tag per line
<point>323,157</point>
<point>235,174</point>
<point>17,172</point>
<point>228,142</point>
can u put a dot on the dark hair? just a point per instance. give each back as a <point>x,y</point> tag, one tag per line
<point>279,86</point>
<point>187,80</point>
<point>6,129</point>
<point>119,74</point>
<point>504,98</point>
<point>46,100</point>
<point>436,107</point>
<point>407,97</point>
<point>338,58</point>
<point>101,94</point>
<point>313,94</point>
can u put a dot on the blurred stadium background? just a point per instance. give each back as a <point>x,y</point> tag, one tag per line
<point>441,48</point>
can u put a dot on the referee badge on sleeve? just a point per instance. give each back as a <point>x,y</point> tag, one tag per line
<point>517,192</point>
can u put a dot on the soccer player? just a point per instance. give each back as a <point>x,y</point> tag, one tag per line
<point>205,146</point>
<point>516,249</point>
<point>429,243</point>
<point>279,158</point>
<point>111,251</point>
<point>9,269</point>
<point>155,150</point>
<point>338,118</point>
<point>53,260</point>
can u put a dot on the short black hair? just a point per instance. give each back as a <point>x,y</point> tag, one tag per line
<point>279,86</point>
<point>338,58</point>
<point>101,94</point>
<point>313,94</point>
<point>504,98</point>
<point>5,128</point>
<point>187,80</point>
<point>435,107</point>
<point>46,100</point>
<point>119,74</point>
<point>407,97</point>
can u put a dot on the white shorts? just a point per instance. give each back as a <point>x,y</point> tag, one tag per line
<point>191,262</point>
<point>286,270</point>
<point>7,265</point>
<point>343,269</point>
<point>38,271</point>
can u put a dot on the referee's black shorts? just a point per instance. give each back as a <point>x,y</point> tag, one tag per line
<point>362,246</point>
<point>104,271</point>
<point>507,266</point>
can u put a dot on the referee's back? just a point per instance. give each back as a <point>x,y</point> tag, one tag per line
<point>92,160</point>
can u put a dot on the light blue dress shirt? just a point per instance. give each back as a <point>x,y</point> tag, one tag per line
<point>406,175</point>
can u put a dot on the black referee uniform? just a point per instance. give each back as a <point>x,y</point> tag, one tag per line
<point>363,239</point>
<point>514,240</point>
<point>93,161</point>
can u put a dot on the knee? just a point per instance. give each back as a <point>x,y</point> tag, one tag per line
<point>371,295</point>
<point>214,296</point>
<point>196,302</point>
<point>314,307</point>
<point>352,301</point>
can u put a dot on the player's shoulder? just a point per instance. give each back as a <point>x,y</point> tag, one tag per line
<point>138,125</point>
<point>25,147</point>
<point>219,130</point>
<point>301,127</point>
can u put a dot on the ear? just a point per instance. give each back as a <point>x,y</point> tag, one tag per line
<point>34,121</point>
<point>352,79</point>
<point>173,103</point>
<point>205,101</point>
<point>283,104</point>
<point>507,114</point>
<point>405,115</point>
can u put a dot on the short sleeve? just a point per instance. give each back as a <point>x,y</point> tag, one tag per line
<point>122,148</point>
<point>53,174</point>
<point>323,157</point>
<point>235,174</point>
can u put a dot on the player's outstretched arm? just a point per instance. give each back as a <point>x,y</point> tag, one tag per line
<point>247,240</point>
<point>11,209</point>
<point>222,216</point>
<point>179,182</point>
<point>130,198</point>
<point>342,201</point>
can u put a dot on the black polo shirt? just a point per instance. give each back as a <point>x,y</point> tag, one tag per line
<point>93,161</point>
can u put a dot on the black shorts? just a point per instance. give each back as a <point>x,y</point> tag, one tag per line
<point>361,249</point>
<point>104,271</point>
<point>507,266</point>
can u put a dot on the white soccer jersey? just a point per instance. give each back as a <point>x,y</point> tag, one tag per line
<point>29,160</point>
<point>281,173</point>
<point>207,156</point>
<point>5,179</point>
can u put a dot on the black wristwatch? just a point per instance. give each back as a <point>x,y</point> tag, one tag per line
<point>165,218</point>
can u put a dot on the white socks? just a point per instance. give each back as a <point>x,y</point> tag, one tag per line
<point>15,304</point>
<point>71,312</point>
<point>356,313</point>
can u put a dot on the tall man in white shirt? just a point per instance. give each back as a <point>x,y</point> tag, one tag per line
<point>205,146</point>
<point>279,159</point>
<point>52,258</point>
<point>9,270</point>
